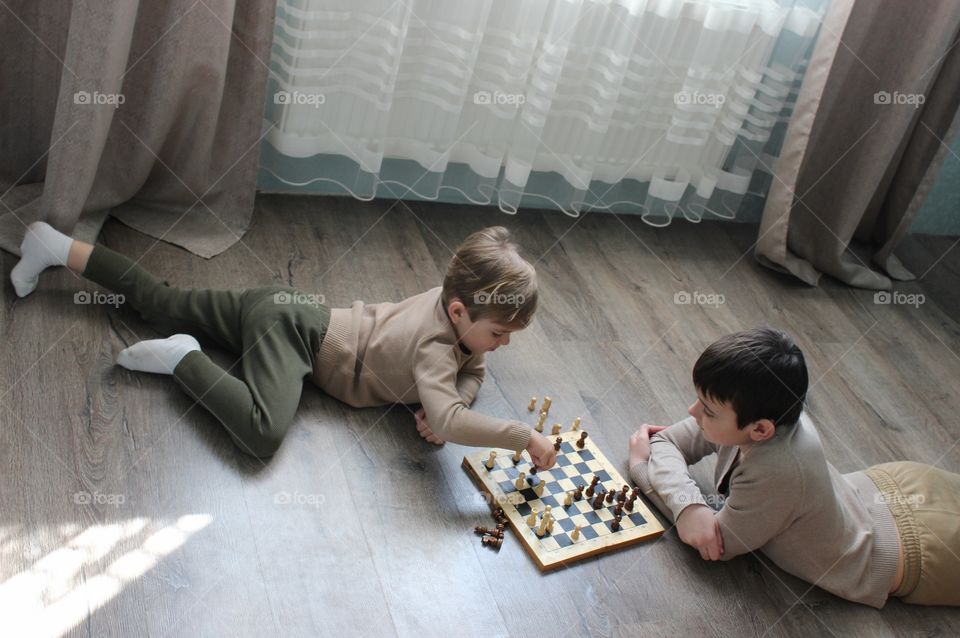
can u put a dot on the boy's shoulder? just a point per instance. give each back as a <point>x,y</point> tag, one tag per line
<point>794,453</point>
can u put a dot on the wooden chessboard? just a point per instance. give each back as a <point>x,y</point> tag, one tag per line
<point>574,467</point>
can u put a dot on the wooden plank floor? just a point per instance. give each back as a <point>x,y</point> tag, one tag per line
<point>127,512</point>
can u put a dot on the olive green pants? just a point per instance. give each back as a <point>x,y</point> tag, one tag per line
<point>272,329</point>
<point>925,502</point>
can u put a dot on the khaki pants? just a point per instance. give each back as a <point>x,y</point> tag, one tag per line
<point>925,502</point>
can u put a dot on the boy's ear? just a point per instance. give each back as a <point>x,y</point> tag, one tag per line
<point>762,430</point>
<point>456,310</point>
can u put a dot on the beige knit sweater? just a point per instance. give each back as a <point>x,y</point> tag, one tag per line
<point>407,352</point>
<point>784,499</point>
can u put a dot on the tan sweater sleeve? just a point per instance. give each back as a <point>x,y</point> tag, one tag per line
<point>435,371</point>
<point>672,451</point>
<point>470,378</point>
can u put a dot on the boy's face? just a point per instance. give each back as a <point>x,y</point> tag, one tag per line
<point>718,421</point>
<point>482,335</point>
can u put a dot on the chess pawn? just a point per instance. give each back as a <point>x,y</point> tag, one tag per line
<point>615,524</point>
<point>539,426</point>
<point>556,429</point>
<point>576,425</point>
<point>521,481</point>
<point>542,529</point>
<point>491,460</point>
<point>492,541</point>
<point>533,404</point>
<point>610,496</point>
<point>532,519</point>
<point>538,489</point>
<point>557,443</point>
<point>575,534</point>
<point>547,511</point>
<point>567,502</point>
<point>582,440</point>
<point>547,402</point>
<point>550,525</point>
<point>517,456</point>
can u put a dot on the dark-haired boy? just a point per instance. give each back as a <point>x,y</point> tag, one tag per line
<point>893,529</point>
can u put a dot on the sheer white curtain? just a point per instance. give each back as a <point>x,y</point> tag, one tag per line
<point>664,106</point>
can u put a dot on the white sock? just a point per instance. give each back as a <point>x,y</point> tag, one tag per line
<point>159,356</point>
<point>43,246</point>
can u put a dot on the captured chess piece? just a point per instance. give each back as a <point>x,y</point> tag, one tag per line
<point>492,541</point>
<point>484,531</point>
<point>557,444</point>
<point>582,440</point>
<point>533,404</point>
<point>539,426</point>
<point>547,402</point>
<point>491,460</point>
<point>576,425</point>
<point>556,429</point>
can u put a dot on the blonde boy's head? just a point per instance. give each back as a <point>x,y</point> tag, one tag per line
<point>492,281</point>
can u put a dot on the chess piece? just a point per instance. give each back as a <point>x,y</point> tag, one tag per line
<point>593,486</point>
<point>542,529</point>
<point>491,460</point>
<point>483,531</point>
<point>538,489</point>
<point>615,523</point>
<point>598,501</point>
<point>578,494</point>
<point>547,511</point>
<point>556,429</point>
<point>547,402</point>
<point>610,496</point>
<point>618,510</point>
<point>533,404</point>
<point>517,456</point>
<point>629,503</point>
<point>532,519</point>
<point>550,525</point>
<point>575,534</point>
<point>623,493</point>
<point>492,541</point>
<point>539,426</point>
<point>521,481</point>
<point>567,502</point>
<point>498,513</point>
<point>582,440</point>
<point>576,425</point>
<point>557,443</point>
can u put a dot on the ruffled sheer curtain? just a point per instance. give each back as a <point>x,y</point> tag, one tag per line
<point>660,107</point>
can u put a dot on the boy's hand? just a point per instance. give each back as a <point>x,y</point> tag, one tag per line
<point>640,442</point>
<point>424,428</point>
<point>541,451</point>
<point>699,528</point>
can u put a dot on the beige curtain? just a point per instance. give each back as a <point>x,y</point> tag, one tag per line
<point>147,111</point>
<point>876,112</point>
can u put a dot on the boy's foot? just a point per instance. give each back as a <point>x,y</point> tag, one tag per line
<point>43,246</point>
<point>159,356</point>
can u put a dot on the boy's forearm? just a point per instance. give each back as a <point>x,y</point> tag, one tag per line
<point>669,476</point>
<point>639,475</point>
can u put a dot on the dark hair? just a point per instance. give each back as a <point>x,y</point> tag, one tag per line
<point>760,372</point>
